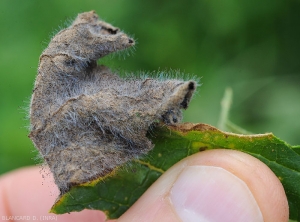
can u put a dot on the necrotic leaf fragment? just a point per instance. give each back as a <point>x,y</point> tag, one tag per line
<point>85,119</point>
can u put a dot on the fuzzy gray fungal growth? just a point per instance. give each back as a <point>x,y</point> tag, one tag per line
<point>86,120</point>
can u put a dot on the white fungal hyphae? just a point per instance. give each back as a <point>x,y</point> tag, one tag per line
<point>86,120</point>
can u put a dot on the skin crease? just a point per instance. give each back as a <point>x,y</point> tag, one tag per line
<point>155,204</point>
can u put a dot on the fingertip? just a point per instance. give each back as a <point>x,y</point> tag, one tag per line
<point>262,189</point>
<point>261,181</point>
<point>29,194</point>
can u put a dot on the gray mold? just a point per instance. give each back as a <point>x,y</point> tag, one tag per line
<point>86,120</point>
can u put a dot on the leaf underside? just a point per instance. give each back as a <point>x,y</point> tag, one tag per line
<point>116,192</point>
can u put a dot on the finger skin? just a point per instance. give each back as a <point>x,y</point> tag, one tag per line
<point>25,192</point>
<point>266,188</point>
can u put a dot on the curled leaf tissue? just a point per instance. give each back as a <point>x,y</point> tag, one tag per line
<point>85,119</point>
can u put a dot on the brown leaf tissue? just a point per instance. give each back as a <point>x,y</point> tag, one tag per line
<point>85,119</point>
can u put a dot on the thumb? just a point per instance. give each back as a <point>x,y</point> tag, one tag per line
<point>216,185</point>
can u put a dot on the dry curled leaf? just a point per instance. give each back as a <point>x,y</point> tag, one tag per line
<point>86,120</point>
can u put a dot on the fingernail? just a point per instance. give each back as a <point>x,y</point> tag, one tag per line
<point>207,193</point>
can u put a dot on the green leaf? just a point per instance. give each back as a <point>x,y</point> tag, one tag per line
<point>116,192</point>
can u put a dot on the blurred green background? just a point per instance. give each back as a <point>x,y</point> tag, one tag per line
<point>251,46</point>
